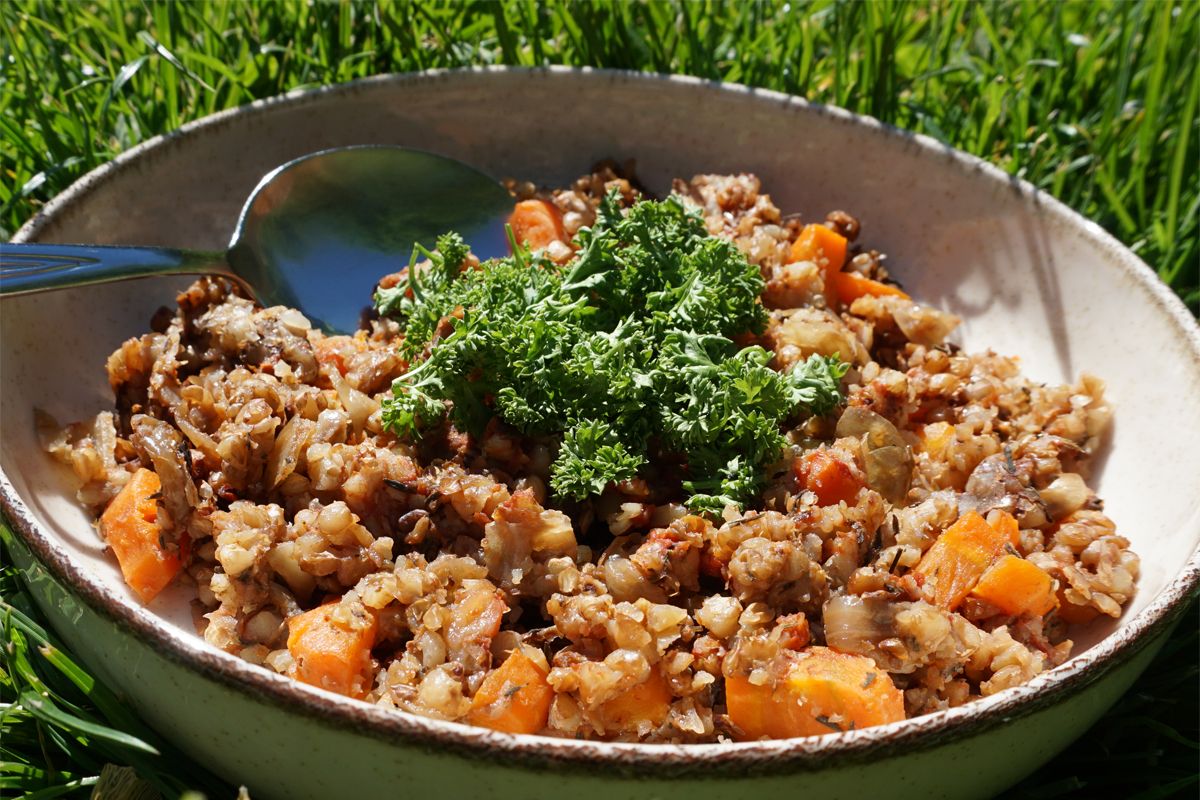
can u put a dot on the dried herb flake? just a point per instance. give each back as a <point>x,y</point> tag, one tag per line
<point>824,720</point>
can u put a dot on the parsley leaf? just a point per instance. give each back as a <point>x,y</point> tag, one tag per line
<point>630,343</point>
<point>590,457</point>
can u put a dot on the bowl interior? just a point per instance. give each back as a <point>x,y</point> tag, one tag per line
<point>1029,278</point>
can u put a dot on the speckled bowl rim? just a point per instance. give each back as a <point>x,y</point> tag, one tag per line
<point>630,760</point>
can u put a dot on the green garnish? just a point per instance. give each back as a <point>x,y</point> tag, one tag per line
<point>631,343</point>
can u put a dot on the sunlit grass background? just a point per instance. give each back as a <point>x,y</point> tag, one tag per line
<point>1092,102</point>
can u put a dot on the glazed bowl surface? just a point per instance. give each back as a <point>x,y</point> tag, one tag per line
<point>1029,277</point>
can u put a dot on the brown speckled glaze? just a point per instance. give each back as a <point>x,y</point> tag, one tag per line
<point>193,182</point>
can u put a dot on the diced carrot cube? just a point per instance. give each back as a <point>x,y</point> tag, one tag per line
<point>514,698</point>
<point>822,691</point>
<point>1016,586</point>
<point>1005,525</point>
<point>537,223</point>
<point>958,559</point>
<point>332,653</point>
<point>827,477</point>
<point>851,286</point>
<point>130,525</point>
<point>827,249</point>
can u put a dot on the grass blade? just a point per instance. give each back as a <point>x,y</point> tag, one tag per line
<point>46,711</point>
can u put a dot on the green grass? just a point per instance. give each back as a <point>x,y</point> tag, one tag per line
<point>1092,102</point>
<point>59,726</point>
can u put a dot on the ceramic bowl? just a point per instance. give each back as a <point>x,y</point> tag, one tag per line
<point>1028,276</point>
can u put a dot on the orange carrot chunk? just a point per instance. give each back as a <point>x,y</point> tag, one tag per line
<point>130,524</point>
<point>537,223</point>
<point>851,286</point>
<point>514,698</point>
<point>330,653</point>
<point>823,691</point>
<point>826,477</point>
<point>825,248</point>
<point>958,559</point>
<point>1016,586</point>
<point>644,705</point>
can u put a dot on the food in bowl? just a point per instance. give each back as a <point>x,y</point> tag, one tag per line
<point>675,471</point>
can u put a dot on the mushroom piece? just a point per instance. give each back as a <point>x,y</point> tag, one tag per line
<point>887,457</point>
<point>996,484</point>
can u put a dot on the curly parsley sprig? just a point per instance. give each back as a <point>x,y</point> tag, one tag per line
<point>631,342</point>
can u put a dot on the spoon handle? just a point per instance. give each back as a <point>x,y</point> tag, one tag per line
<point>26,268</point>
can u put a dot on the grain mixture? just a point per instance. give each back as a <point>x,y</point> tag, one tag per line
<point>923,544</point>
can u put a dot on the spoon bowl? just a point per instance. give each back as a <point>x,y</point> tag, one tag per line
<point>316,234</point>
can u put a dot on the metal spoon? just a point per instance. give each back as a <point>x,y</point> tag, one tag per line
<point>317,233</point>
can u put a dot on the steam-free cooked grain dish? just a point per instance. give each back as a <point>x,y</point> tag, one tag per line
<point>682,471</point>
